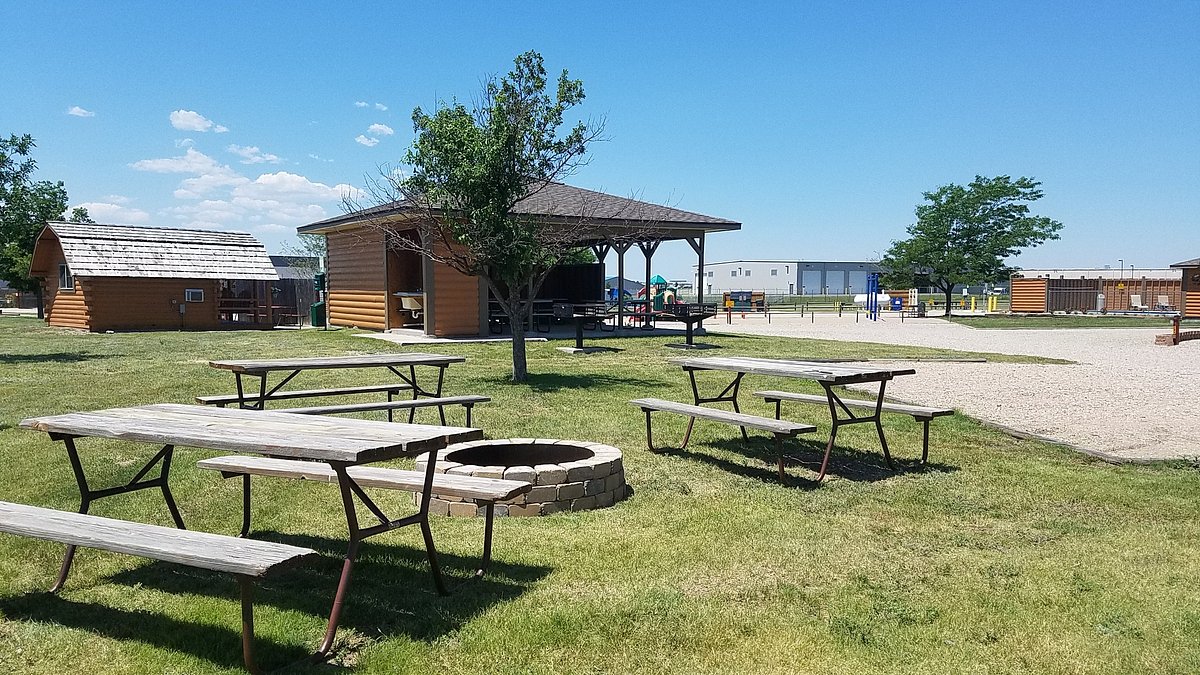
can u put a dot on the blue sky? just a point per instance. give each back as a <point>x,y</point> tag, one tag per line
<point>817,125</point>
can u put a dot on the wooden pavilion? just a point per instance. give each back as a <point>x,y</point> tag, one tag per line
<point>115,277</point>
<point>372,284</point>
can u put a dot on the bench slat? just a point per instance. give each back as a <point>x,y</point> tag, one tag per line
<point>194,549</point>
<point>387,405</point>
<point>739,419</point>
<point>224,399</point>
<point>918,412</point>
<point>447,485</point>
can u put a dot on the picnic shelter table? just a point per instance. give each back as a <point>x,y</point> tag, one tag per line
<point>402,365</point>
<point>828,375</point>
<point>338,442</point>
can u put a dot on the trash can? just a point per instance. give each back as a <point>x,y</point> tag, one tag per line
<point>317,314</point>
<point>1100,302</point>
<point>897,304</point>
<point>921,309</point>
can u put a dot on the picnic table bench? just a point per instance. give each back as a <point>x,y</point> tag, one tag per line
<point>402,365</point>
<point>339,443</point>
<point>780,429</point>
<point>828,375</point>
<point>245,559</point>
<point>467,401</point>
<point>484,491</point>
<point>921,414</point>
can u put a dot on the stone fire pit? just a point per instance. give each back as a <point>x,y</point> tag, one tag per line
<point>567,475</point>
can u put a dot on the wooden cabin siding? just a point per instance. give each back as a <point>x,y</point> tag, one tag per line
<point>1028,295</point>
<point>457,302</point>
<point>357,278</point>
<point>1190,306</point>
<point>66,309</point>
<point>118,303</point>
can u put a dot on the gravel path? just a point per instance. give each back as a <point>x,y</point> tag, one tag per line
<point>1127,398</point>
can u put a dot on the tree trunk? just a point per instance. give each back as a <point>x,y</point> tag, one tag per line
<point>520,371</point>
<point>949,290</point>
<point>41,302</point>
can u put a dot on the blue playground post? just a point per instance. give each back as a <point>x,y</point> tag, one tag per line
<point>873,296</point>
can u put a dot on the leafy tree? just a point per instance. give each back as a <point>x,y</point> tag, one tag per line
<point>470,168</point>
<point>308,253</point>
<point>25,208</point>
<point>963,235</point>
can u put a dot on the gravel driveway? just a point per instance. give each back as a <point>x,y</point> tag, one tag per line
<point>1126,399</point>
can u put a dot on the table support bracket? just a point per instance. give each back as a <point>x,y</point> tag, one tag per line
<point>87,495</point>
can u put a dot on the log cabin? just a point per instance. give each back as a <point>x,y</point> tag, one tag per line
<point>116,277</point>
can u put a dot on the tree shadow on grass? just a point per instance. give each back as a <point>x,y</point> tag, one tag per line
<point>391,590</point>
<point>551,382</point>
<point>220,646</point>
<point>845,462</point>
<point>56,357</point>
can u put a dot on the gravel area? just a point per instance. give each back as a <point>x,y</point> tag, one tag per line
<point>1125,399</point>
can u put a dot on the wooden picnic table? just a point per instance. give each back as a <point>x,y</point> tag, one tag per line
<point>828,375</point>
<point>402,365</point>
<point>338,442</point>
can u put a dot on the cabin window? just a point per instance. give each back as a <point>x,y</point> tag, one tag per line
<point>66,282</point>
<point>193,295</point>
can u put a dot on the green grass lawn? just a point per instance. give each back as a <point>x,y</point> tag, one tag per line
<point>1071,321</point>
<point>1002,556</point>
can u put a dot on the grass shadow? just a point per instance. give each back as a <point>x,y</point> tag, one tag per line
<point>56,357</point>
<point>552,382</point>
<point>391,591</point>
<point>845,462</point>
<point>220,646</point>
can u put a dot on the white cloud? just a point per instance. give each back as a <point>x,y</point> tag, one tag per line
<point>116,199</point>
<point>184,143</point>
<point>209,174</point>
<point>284,186</point>
<point>380,130</point>
<point>250,154</point>
<point>193,161</point>
<point>363,140</point>
<point>361,104</point>
<point>380,106</point>
<point>80,112</point>
<point>115,214</point>
<point>318,158</point>
<point>190,120</point>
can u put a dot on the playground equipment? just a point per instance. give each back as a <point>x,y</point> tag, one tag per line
<point>873,296</point>
<point>745,301</point>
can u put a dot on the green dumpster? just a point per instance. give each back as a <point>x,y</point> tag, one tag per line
<point>317,314</point>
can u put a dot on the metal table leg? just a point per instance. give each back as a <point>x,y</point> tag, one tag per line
<point>849,418</point>
<point>87,495</point>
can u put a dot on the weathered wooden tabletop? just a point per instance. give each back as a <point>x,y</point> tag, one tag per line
<point>327,439</point>
<point>831,373</point>
<point>326,362</point>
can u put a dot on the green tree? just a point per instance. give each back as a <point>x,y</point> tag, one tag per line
<point>964,235</point>
<point>25,208</point>
<point>470,168</point>
<point>308,253</point>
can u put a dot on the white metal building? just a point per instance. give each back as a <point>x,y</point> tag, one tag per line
<point>790,277</point>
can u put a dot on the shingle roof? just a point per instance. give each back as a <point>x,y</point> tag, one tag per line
<point>94,250</point>
<point>1195,262</point>
<point>557,200</point>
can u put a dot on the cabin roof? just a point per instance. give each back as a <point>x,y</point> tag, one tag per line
<point>96,250</point>
<point>557,202</point>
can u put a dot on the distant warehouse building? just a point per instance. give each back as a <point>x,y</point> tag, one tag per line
<point>791,277</point>
<point>1083,290</point>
